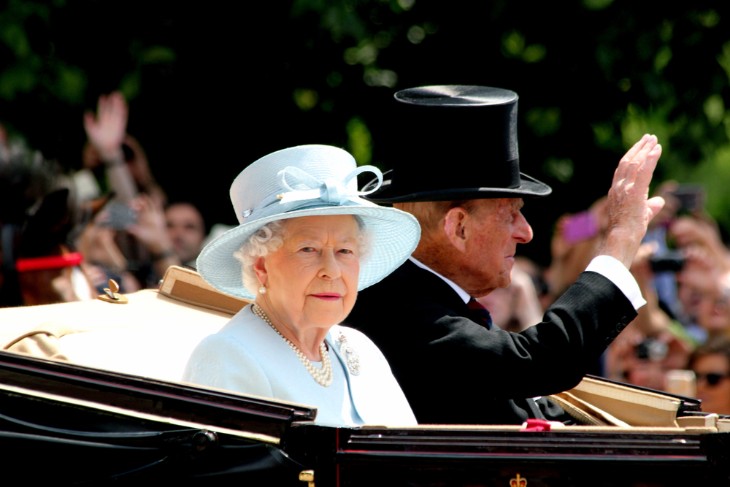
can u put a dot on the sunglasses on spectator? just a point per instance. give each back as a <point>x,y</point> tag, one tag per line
<point>712,378</point>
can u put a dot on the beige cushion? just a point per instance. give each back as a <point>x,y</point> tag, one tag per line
<point>149,332</point>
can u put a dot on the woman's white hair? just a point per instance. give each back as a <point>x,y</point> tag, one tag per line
<point>269,238</point>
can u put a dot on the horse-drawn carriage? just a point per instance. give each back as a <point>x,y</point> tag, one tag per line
<point>90,396</point>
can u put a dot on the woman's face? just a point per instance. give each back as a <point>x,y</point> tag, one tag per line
<point>714,391</point>
<point>312,278</point>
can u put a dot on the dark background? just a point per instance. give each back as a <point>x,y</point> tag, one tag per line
<point>214,85</point>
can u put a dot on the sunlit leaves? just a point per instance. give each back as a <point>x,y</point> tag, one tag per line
<point>514,45</point>
<point>305,99</point>
<point>714,108</point>
<point>359,141</point>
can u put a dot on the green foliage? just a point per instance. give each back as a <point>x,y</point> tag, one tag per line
<point>592,75</point>
<point>359,141</point>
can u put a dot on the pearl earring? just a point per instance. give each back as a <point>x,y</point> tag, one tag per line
<point>262,289</point>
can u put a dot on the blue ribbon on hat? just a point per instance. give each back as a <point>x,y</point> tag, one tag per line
<point>302,186</point>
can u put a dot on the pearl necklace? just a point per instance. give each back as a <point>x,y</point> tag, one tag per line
<point>323,375</point>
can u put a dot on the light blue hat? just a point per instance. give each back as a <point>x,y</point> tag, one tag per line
<point>307,180</point>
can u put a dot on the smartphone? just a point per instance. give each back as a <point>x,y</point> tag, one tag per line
<point>691,198</point>
<point>120,216</point>
<point>580,226</point>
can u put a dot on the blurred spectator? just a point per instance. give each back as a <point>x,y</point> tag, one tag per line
<point>38,216</point>
<point>103,259</point>
<point>665,281</point>
<point>690,257</point>
<point>572,246</point>
<point>113,160</point>
<point>703,281</point>
<point>645,361</point>
<point>99,244</point>
<point>655,342</point>
<point>711,364</point>
<point>216,230</point>
<point>711,301</point>
<point>116,167</point>
<point>187,231</point>
<point>518,305</point>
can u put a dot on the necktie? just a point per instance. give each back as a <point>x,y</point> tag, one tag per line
<point>479,313</point>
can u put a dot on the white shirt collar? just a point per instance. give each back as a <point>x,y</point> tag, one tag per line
<point>463,294</point>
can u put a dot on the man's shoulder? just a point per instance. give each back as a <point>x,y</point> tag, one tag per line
<point>404,285</point>
<point>409,298</point>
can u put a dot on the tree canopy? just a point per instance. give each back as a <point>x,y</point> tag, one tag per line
<point>214,86</point>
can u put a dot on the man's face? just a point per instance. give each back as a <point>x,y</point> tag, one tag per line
<point>186,229</point>
<point>494,228</point>
<point>713,391</point>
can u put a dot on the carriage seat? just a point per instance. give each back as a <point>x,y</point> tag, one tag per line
<point>149,333</point>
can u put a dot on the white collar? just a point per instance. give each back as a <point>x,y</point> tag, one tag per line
<point>462,294</point>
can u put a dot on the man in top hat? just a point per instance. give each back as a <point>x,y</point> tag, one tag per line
<point>453,366</point>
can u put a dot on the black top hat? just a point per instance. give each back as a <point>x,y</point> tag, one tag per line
<point>469,133</point>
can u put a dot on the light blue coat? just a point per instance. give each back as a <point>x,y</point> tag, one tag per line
<point>248,356</point>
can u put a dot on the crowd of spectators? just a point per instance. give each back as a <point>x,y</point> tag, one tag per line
<point>111,216</point>
<point>683,269</point>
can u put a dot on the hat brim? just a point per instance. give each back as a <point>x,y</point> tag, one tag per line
<point>394,236</point>
<point>529,187</point>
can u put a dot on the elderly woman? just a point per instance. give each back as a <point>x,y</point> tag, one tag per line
<point>306,244</point>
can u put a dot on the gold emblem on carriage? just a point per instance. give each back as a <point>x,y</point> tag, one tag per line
<point>518,481</point>
<point>111,294</point>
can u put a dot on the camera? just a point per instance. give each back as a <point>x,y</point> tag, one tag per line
<point>651,349</point>
<point>691,198</point>
<point>669,261</point>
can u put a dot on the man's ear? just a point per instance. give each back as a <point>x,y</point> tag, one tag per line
<point>455,227</point>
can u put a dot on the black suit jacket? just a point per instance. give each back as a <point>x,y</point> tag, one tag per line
<point>454,371</point>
